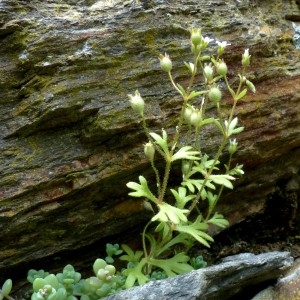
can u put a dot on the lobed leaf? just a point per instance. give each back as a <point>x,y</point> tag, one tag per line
<point>222,180</point>
<point>186,153</point>
<point>196,230</point>
<point>174,265</point>
<point>141,190</point>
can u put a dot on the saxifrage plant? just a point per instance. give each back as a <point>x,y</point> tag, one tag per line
<point>178,222</point>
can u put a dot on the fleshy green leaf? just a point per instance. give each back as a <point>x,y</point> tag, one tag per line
<point>99,263</point>
<point>6,287</point>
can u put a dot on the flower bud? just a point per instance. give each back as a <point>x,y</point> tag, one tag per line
<point>222,68</point>
<point>215,94</point>
<point>149,150</point>
<point>187,114</point>
<point>185,167</point>
<point>246,59</point>
<point>196,118</point>
<point>232,146</point>
<point>208,72</point>
<point>196,37</point>
<point>251,86</point>
<point>137,103</point>
<point>242,79</point>
<point>165,62</point>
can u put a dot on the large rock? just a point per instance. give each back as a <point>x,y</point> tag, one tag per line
<point>222,281</point>
<point>69,140</point>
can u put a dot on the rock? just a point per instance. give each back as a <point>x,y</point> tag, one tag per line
<point>221,281</point>
<point>287,286</point>
<point>69,141</point>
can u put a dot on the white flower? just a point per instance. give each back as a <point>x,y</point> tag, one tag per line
<point>246,58</point>
<point>223,44</point>
<point>207,40</point>
<point>246,52</point>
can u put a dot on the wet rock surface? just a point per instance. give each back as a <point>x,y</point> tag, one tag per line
<point>68,138</point>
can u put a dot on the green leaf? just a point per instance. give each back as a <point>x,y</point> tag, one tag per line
<point>204,165</point>
<point>219,126</point>
<point>237,170</point>
<point>231,92</point>
<point>241,94</point>
<point>181,89</point>
<point>237,130</point>
<point>190,66</point>
<point>135,274</point>
<point>99,263</point>
<point>174,265</point>
<point>141,190</point>
<point>194,94</point>
<point>189,184</point>
<point>186,153</point>
<point>170,213</point>
<point>166,230</point>
<point>218,220</point>
<point>131,255</point>
<point>6,287</point>
<point>212,198</point>
<point>180,238</point>
<point>205,58</point>
<point>192,183</point>
<point>208,121</point>
<point>196,230</point>
<point>38,284</point>
<point>223,180</point>
<point>181,197</point>
<point>231,127</point>
<point>161,140</point>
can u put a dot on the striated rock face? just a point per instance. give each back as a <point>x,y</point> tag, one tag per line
<point>222,281</point>
<point>69,140</point>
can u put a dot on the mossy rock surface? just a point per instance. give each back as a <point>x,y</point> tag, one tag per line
<point>69,140</point>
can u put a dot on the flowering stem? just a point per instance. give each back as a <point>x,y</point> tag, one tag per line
<point>198,196</point>
<point>165,181</point>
